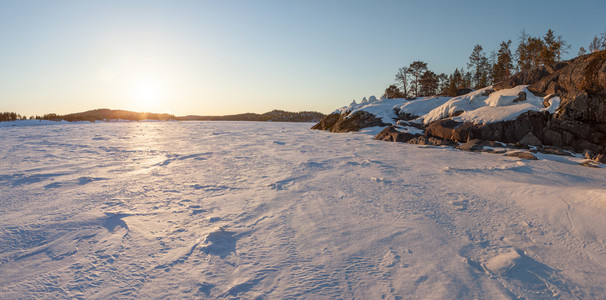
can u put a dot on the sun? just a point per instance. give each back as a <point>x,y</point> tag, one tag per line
<point>148,96</point>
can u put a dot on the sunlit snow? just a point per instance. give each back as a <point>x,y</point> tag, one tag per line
<point>279,211</point>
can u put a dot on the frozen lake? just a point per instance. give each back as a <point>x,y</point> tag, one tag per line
<point>275,210</point>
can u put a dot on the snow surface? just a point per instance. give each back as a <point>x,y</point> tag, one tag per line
<point>475,106</point>
<point>275,210</point>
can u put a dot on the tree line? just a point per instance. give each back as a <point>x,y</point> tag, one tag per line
<point>12,116</point>
<point>108,114</point>
<point>90,116</point>
<point>597,44</point>
<point>417,80</point>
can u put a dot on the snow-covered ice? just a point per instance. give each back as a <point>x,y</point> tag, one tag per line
<point>276,210</point>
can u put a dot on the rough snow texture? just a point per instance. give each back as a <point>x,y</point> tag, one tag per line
<point>278,211</point>
<point>478,107</point>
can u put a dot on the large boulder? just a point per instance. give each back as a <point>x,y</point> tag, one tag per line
<point>348,122</point>
<point>530,76</point>
<point>450,130</point>
<point>327,122</point>
<point>506,131</point>
<point>530,140</point>
<point>392,134</point>
<point>472,145</point>
<point>581,84</point>
<point>522,155</point>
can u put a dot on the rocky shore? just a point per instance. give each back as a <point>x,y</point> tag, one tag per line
<point>558,109</point>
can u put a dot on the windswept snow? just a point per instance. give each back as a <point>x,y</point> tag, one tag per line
<point>278,211</point>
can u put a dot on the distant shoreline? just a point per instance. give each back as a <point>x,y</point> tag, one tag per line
<point>110,115</point>
<point>36,123</point>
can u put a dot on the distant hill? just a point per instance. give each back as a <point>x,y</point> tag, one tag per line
<point>272,116</point>
<point>112,114</point>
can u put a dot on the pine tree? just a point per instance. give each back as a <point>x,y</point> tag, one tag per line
<point>467,80</point>
<point>503,67</point>
<point>492,61</point>
<point>534,48</point>
<point>416,69</point>
<point>392,92</point>
<point>429,83</point>
<point>478,63</point>
<point>523,61</point>
<point>548,51</point>
<point>455,82</point>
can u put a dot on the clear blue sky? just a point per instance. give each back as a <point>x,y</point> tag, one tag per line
<point>224,57</point>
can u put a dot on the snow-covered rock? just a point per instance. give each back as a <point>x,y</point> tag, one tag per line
<point>482,106</point>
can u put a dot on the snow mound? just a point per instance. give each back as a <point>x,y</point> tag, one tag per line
<point>386,109</point>
<point>482,106</point>
<point>503,262</point>
<point>382,108</point>
<point>422,106</point>
<point>467,102</point>
<point>492,114</point>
